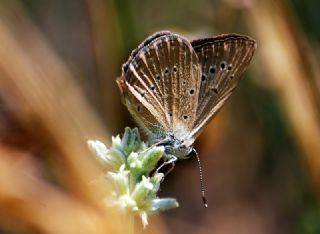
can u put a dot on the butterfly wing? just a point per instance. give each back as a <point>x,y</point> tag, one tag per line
<point>160,85</point>
<point>223,60</point>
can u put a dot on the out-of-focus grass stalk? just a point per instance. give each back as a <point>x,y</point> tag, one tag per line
<point>281,55</point>
<point>106,44</point>
<point>44,123</point>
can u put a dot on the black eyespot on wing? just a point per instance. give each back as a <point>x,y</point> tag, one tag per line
<point>203,77</point>
<point>223,65</point>
<point>212,70</point>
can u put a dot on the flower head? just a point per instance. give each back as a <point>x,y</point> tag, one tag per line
<point>130,167</point>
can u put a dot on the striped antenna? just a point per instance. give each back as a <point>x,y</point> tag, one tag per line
<point>202,187</point>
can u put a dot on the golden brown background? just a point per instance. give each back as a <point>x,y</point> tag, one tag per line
<point>261,155</point>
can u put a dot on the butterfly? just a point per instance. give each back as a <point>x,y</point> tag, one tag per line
<point>173,87</point>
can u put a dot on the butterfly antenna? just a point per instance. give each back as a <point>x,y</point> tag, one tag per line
<point>201,180</point>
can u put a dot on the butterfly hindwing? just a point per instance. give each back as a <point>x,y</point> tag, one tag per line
<point>223,59</point>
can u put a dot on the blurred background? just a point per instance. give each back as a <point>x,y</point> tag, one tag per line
<point>261,154</point>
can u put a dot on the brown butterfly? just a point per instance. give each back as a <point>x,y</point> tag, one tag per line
<point>173,87</point>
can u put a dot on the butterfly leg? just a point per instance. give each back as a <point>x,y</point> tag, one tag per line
<point>171,168</point>
<point>170,159</point>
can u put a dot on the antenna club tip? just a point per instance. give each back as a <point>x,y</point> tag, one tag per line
<point>205,202</point>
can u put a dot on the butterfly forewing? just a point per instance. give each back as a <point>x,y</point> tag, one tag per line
<point>160,85</point>
<point>181,83</point>
<point>145,43</point>
<point>223,60</point>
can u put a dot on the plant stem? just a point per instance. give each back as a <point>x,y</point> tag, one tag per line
<point>130,223</point>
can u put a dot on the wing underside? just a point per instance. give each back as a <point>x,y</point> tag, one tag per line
<point>223,59</point>
<point>160,85</point>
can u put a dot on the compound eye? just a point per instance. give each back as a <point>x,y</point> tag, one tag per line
<point>191,154</point>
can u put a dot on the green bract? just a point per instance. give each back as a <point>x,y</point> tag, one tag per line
<point>130,168</point>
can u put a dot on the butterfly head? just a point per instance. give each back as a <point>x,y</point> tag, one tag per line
<point>182,149</point>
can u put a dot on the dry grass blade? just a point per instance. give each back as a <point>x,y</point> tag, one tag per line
<point>281,55</point>
<point>44,125</point>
